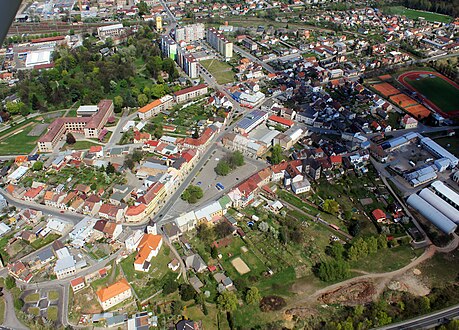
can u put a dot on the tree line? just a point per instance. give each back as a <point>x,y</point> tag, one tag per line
<point>447,7</point>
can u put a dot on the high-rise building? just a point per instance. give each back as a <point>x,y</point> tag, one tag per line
<point>169,47</point>
<point>188,63</point>
<point>190,32</point>
<point>159,23</point>
<point>219,42</point>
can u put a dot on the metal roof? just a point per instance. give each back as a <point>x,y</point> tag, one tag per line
<point>440,204</point>
<point>443,190</point>
<point>437,218</point>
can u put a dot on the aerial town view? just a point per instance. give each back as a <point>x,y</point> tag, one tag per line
<point>220,165</point>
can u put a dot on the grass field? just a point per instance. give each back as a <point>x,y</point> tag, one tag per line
<point>53,295</point>
<point>52,313</point>
<point>80,145</point>
<point>18,143</point>
<point>2,310</point>
<point>450,143</point>
<point>33,297</point>
<point>222,72</point>
<point>414,14</point>
<point>440,92</point>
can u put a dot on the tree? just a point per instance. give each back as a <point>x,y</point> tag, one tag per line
<point>10,282</point>
<point>331,206</point>
<point>170,285</point>
<point>129,163</point>
<point>253,296</point>
<point>214,252</point>
<point>222,168</point>
<point>37,166</point>
<point>143,8</point>
<point>137,156</point>
<point>15,108</point>
<point>382,242</point>
<point>70,139</point>
<point>372,243</point>
<point>118,103</point>
<point>35,102</point>
<point>264,227</point>
<point>336,250</point>
<point>110,168</point>
<point>223,229</point>
<point>276,154</point>
<point>236,159</point>
<point>142,99</point>
<point>333,270</point>
<point>192,194</point>
<point>187,292</point>
<point>227,301</point>
<point>177,307</point>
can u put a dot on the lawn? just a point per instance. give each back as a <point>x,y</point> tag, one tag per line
<point>34,311</point>
<point>221,71</point>
<point>104,281</point>
<point>53,295</point>
<point>437,271</point>
<point>415,14</point>
<point>18,143</point>
<point>52,313</point>
<point>33,297</point>
<point>2,309</point>
<point>80,145</point>
<point>439,91</point>
<point>40,242</point>
<point>147,284</point>
<point>387,260</point>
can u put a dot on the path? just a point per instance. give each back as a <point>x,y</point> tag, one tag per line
<point>11,321</point>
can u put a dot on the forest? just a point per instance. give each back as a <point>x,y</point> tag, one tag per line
<point>447,7</point>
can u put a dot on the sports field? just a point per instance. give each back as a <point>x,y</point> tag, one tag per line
<point>437,91</point>
<point>415,14</point>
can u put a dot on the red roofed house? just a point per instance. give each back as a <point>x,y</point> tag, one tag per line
<point>77,284</point>
<point>283,122</point>
<point>98,151</point>
<point>190,93</point>
<point>379,215</point>
<point>32,194</point>
<point>135,213</point>
<point>148,248</point>
<point>336,160</point>
<point>114,294</point>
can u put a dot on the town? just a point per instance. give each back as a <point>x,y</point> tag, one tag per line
<point>229,165</point>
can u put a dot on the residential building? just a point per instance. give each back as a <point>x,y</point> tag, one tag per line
<point>409,122</point>
<point>114,294</point>
<point>191,32</point>
<point>190,93</point>
<point>77,284</point>
<point>155,107</point>
<point>219,42</point>
<point>169,47</point>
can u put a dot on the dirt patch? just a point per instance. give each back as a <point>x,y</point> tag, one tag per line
<point>240,266</point>
<point>356,293</point>
<point>85,302</point>
<point>410,282</point>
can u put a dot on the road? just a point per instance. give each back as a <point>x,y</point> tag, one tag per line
<point>426,321</point>
<point>11,321</point>
<point>242,52</point>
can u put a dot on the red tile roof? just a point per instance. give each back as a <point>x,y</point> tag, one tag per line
<point>190,89</point>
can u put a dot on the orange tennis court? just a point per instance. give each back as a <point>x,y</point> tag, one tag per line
<point>418,111</point>
<point>386,89</point>
<point>385,77</point>
<point>403,100</point>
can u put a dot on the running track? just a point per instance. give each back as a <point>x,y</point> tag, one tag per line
<point>413,75</point>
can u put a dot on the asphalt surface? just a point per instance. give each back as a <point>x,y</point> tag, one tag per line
<point>11,321</point>
<point>427,321</point>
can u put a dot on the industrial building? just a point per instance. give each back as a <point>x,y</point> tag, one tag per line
<point>421,176</point>
<point>250,121</point>
<point>438,151</point>
<point>440,204</point>
<point>398,142</point>
<point>446,193</point>
<point>437,218</point>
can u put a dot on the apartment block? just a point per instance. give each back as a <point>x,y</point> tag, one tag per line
<point>219,42</point>
<point>190,32</point>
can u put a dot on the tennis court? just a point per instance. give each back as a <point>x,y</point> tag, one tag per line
<point>386,89</point>
<point>403,100</point>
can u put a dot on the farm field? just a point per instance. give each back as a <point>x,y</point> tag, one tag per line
<point>438,91</point>
<point>415,14</point>
<point>220,70</point>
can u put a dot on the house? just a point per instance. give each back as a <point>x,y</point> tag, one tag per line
<point>97,151</point>
<point>114,294</point>
<point>195,262</point>
<point>77,284</point>
<point>174,265</point>
<point>148,248</point>
<point>301,186</point>
<point>65,264</point>
<point>379,215</point>
<point>28,236</point>
<point>408,122</point>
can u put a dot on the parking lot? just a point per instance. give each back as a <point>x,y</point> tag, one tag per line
<point>207,179</point>
<point>400,159</point>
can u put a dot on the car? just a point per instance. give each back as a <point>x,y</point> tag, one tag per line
<point>219,185</point>
<point>199,183</point>
<point>237,178</point>
<point>62,211</point>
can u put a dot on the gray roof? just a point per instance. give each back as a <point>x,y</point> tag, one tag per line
<point>195,261</point>
<point>45,255</point>
<point>116,320</point>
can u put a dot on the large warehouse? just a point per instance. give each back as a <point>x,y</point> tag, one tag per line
<point>437,218</point>
<point>446,193</point>
<point>440,204</point>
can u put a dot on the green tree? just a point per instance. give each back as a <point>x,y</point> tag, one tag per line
<point>70,139</point>
<point>15,108</point>
<point>35,102</point>
<point>336,250</point>
<point>222,168</point>
<point>372,243</point>
<point>223,229</point>
<point>170,285</point>
<point>110,168</point>
<point>187,292</point>
<point>10,282</point>
<point>253,296</point>
<point>143,8</point>
<point>227,301</point>
<point>276,154</point>
<point>157,91</point>
<point>236,159</point>
<point>142,99</point>
<point>214,252</point>
<point>331,206</point>
<point>37,166</point>
<point>177,307</point>
<point>333,270</point>
<point>382,242</point>
<point>192,194</point>
<point>118,103</point>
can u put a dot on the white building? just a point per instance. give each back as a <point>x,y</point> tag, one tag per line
<point>110,30</point>
<point>114,294</point>
<point>65,264</point>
